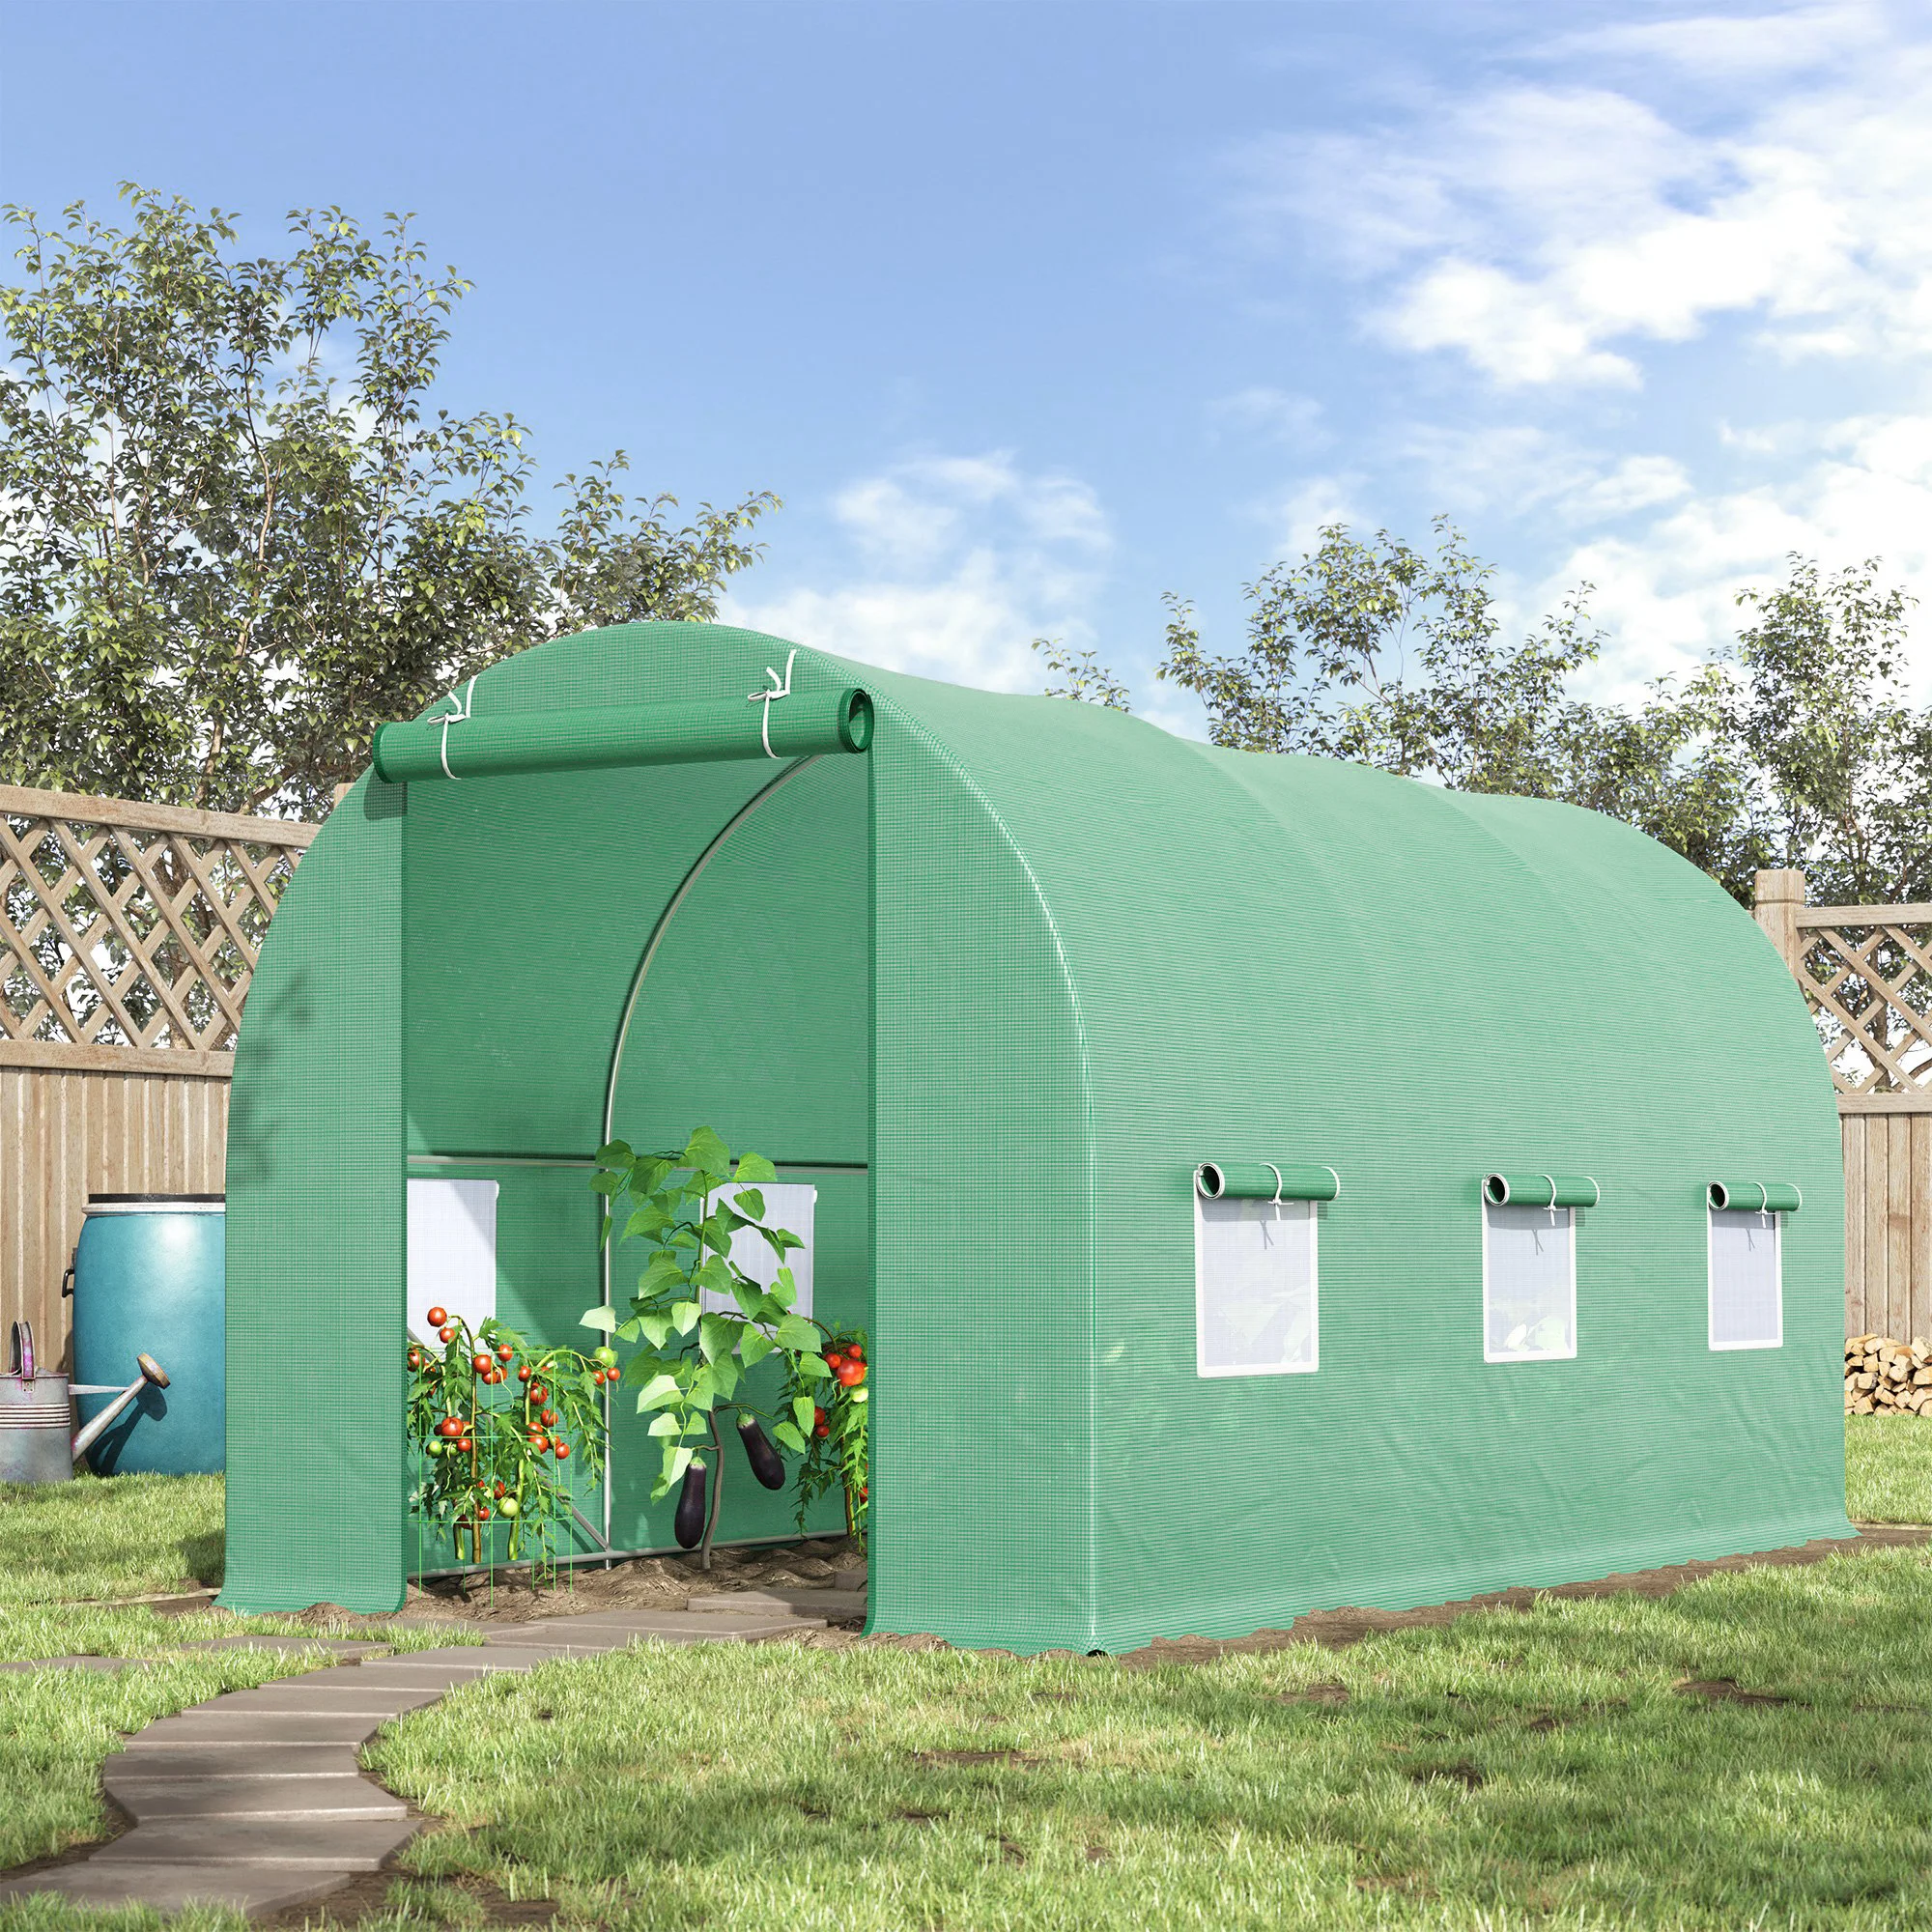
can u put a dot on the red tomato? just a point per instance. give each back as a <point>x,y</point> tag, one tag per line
<point>482,1364</point>
<point>465,1446</point>
<point>524,1374</point>
<point>549,1418</point>
<point>502,1488</point>
<point>817,1413</point>
<point>833,1360</point>
<point>483,1512</point>
<point>562,1451</point>
<point>446,1332</point>
<point>597,1377</point>
<point>449,1426</point>
<point>538,1393</point>
<point>504,1352</point>
<point>864,1491</point>
<point>851,1374</point>
<point>822,1430</point>
<point>437,1317</point>
<point>539,1441</point>
<point>415,1358</point>
<point>854,1352</point>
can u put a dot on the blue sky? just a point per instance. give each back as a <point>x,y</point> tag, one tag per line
<point>1031,312</point>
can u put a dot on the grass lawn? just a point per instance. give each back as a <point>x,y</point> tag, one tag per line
<point>1547,1769</point>
<point>124,1536</point>
<point>1510,1769</point>
<point>59,1545</point>
<point>1888,1468</point>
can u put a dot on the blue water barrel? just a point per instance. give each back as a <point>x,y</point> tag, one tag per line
<point>149,1279</point>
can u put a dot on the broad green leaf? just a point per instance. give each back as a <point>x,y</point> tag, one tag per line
<point>676,1462</point>
<point>724,1371</point>
<point>684,1317</point>
<point>658,1391</point>
<point>753,1346</point>
<point>608,1184</point>
<point>667,1424</point>
<point>603,1319</point>
<point>796,1332</point>
<point>653,1327</point>
<point>753,1168</point>
<point>627,1331</point>
<point>613,1154</point>
<point>803,1408</point>
<point>813,1368</point>
<point>705,1154</point>
<point>716,1336</point>
<point>785,1434</point>
<point>751,1203</point>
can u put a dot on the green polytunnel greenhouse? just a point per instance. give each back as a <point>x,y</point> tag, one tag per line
<point>1270,1184</point>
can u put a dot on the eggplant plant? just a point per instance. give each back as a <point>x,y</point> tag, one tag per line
<point>702,1324</point>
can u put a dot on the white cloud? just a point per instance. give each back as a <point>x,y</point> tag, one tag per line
<point>953,566</point>
<point>1544,232</point>
<point>1518,468</point>
<point>1277,414</point>
<point>1667,593</point>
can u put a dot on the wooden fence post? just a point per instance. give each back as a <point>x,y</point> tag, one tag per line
<point>1775,899</point>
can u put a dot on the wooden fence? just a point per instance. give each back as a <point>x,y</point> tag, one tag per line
<point>1867,971</point>
<point>128,937</point>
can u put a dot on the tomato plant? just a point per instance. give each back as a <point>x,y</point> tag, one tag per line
<point>703,1324</point>
<point>473,1447</point>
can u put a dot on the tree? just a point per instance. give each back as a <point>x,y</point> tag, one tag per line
<point>222,562</point>
<point>1795,746</point>
<point>1841,763</point>
<point>1084,678</point>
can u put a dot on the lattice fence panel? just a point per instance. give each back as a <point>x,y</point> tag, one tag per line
<point>129,926</point>
<point>1869,983</point>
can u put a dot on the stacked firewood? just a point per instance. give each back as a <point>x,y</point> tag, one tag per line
<point>1886,1377</point>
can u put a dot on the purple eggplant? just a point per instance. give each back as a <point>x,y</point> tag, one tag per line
<point>761,1453</point>
<point>688,1525</point>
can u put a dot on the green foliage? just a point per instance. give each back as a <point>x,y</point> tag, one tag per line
<point>1084,678</point>
<point>508,1457</point>
<point>700,1321</point>
<point>1796,748</point>
<point>225,563</point>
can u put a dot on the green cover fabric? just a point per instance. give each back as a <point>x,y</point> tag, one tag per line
<point>1774,1197</point>
<point>993,989</point>
<point>1543,1190</point>
<point>466,746</point>
<point>1264,1180</point>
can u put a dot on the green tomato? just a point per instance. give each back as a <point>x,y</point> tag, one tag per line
<point>507,1507</point>
<point>606,1358</point>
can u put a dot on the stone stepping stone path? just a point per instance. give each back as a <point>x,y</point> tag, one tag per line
<point>257,1799</point>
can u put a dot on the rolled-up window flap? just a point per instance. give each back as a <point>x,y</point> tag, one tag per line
<point>1759,1197</point>
<point>1265,1180</point>
<point>1542,1190</point>
<point>458,744</point>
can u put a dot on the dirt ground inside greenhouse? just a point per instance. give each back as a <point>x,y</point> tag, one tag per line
<point>799,1568</point>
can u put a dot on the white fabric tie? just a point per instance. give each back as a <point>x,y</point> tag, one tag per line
<point>456,716</point>
<point>780,688</point>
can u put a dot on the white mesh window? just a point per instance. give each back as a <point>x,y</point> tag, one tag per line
<point>792,1205</point>
<point>1254,1287</point>
<point>1746,1280</point>
<point>452,1252</point>
<point>1529,1283</point>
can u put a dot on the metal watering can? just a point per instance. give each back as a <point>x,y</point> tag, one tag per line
<point>38,1443</point>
